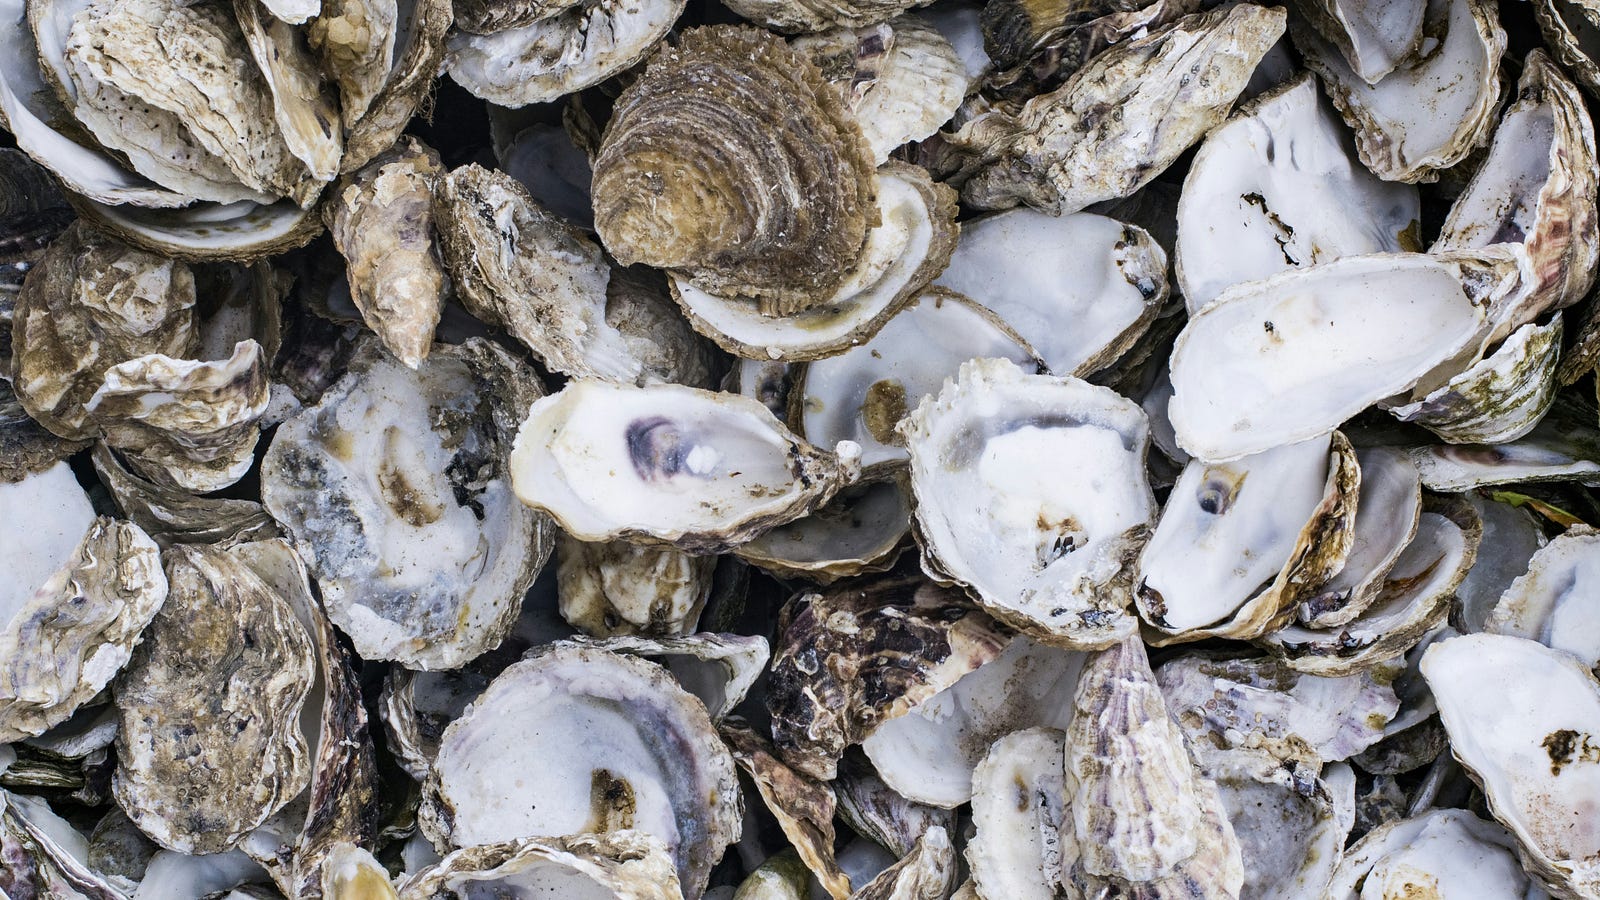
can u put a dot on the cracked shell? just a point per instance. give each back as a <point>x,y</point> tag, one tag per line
<point>605,742</point>
<point>210,743</point>
<point>1043,549</point>
<point>394,490</point>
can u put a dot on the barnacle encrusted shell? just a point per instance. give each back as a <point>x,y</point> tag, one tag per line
<point>602,742</point>
<point>623,864</point>
<point>1043,548</point>
<point>1442,852</point>
<point>609,461</point>
<point>395,492</point>
<point>820,15</point>
<point>1553,601</point>
<point>81,590</point>
<point>210,742</point>
<point>1121,119</point>
<point>733,162</point>
<point>571,47</point>
<point>617,587</point>
<point>803,807</point>
<point>381,219</point>
<point>850,658</point>
<point>1244,368</point>
<point>1436,107</point>
<point>93,302</point>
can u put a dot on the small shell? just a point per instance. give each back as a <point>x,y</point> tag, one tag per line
<point>1552,603</point>
<point>820,15</point>
<point>616,587</point>
<point>1019,795</point>
<point>803,807</point>
<point>356,41</point>
<point>307,115</point>
<point>1498,399</point>
<point>926,873</point>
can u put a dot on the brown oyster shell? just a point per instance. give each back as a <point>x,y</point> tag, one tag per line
<point>617,587</point>
<point>857,655</point>
<point>93,302</point>
<point>26,447</point>
<point>419,49</point>
<point>356,40</point>
<point>489,16</point>
<point>381,219</point>
<point>307,115</point>
<point>732,161</point>
<point>803,807</point>
<point>210,743</point>
<point>791,16</point>
<point>171,515</point>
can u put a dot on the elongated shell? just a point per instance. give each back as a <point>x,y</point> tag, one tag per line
<point>624,864</point>
<point>1499,398</point>
<point>803,807</point>
<point>818,15</point>
<point>1446,851</point>
<point>779,220</point>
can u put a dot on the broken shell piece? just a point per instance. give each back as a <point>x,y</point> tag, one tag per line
<point>862,529</point>
<point>1499,398</point>
<point>1415,598</point>
<point>1436,107</point>
<point>926,873</point>
<point>929,753</point>
<point>1259,705</point>
<point>93,302</point>
<point>613,461</point>
<point>1373,38</point>
<point>394,492</point>
<point>1291,829</point>
<point>1044,548</point>
<point>880,814</point>
<point>351,873</point>
<point>189,423</point>
<point>1240,545</point>
<point>910,245</point>
<point>210,743</point>
<point>616,587</point>
<point>381,219</point>
<point>717,668</point>
<point>862,394</point>
<point>1537,767</point>
<point>1078,310</point>
<point>1511,537</point>
<point>1279,360</point>
<point>80,592</point>
<point>1275,187</point>
<point>850,658</point>
<point>1552,603</point>
<point>690,145</point>
<point>803,807</point>
<point>622,864</point>
<point>1060,153</point>
<point>1019,795</point>
<point>650,760</point>
<point>172,515</point>
<point>572,47</point>
<point>1536,187</point>
<point>1444,851</point>
<point>1387,510</point>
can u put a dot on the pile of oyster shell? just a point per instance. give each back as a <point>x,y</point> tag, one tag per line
<point>780,449</point>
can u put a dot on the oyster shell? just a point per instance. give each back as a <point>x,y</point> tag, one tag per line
<point>171,515</point>
<point>1499,398</point>
<point>1291,829</point>
<point>1387,510</point>
<point>1079,311</point>
<point>624,864</point>
<point>210,743</point>
<point>717,668</point>
<point>1373,38</point>
<point>1567,27</point>
<point>1275,188</point>
<point>926,873</point>
<point>352,37</point>
<point>307,116</point>
<point>352,873</point>
<point>393,490</point>
<point>381,219</point>
<point>666,198</point>
<point>877,812</point>
<point>1241,545</point>
<point>571,47</point>
<point>862,529</point>
<point>1434,108</point>
<point>1051,554</point>
<point>27,448</point>
<point>820,15</point>
<point>1562,447</point>
<point>80,592</point>
<point>45,854</point>
<point>616,587</point>
<point>1444,851</point>
<point>653,761</point>
<point>1244,367</point>
<point>803,807</point>
<point>1019,810</point>
<point>1062,152</point>
<point>1547,604</point>
<point>1511,537</point>
<point>611,461</point>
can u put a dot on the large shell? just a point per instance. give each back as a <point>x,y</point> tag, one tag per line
<point>91,303</point>
<point>210,742</point>
<point>603,742</point>
<point>1062,151</point>
<point>609,461</point>
<point>80,591</point>
<point>395,491</point>
<point>664,196</point>
<point>1043,547</point>
<point>381,219</point>
<point>1445,852</point>
<point>849,659</point>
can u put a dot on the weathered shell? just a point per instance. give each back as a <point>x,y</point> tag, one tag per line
<point>395,492</point>
<point>804,808</point>
<point>1566,25</point>
<point>356,40</point>
<point>1291,827</point>
<point>91,303</point>
<point>1051,553</point>
<point>1550,603</point>
<point>1444,851</point>
<point>1062,151</point>
<point>848,659</point>
<point>664,197</point>
<point>489,16</point>
<point>1019,800</point>
<point>172,515</point>
<point>624,864</point>
<point>1499,398</point>
<point>82,589</point>
<point>559,53</point>
<point>44,853</point>
<point>820,15</point>
<point>926,873</point>
<point>26,447</point>
<point>210,742</point>
<point>1511,537</point>
<point>1436,107</point>
<point>616,587</point>
<point>307,115</point>
<point>603,742</point>
<point>1387,510</point>
<point>609,461</point>
<point>1564,446</point>
<point>880,814</point>
<point>381,219</point>
<point>862,529</point>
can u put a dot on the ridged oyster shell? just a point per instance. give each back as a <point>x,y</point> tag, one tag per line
<point>625,864</point>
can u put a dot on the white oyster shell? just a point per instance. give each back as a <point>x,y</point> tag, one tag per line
<point>1387,510</point>
<point>1442,852</point>
<point>620,865</point>
<point>1291,829</point>
<point>1018,812</point>
<point>1554,602</point>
